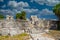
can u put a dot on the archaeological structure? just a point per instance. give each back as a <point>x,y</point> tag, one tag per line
<point>11,26</point>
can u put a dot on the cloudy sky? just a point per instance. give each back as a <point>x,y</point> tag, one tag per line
<point>41,8</point>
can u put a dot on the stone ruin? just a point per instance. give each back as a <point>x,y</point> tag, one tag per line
<point>39,25</point>
<point>10,26</point>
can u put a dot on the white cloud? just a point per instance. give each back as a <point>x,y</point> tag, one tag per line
<point>39,12</point>
<point>26,10</point>
<point>46,12</point>
<point>23,4</point>
<point>31,10</point>
<point>12,4</point>
<point>52,2</point>
<point>18,4</point>
<point>47,2</point>
<point>1,0</point>
<point>6,12</point>
<point>14,11</point>
<point>35,11</point>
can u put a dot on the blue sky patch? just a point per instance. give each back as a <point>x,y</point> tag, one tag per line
<point>41,8</point>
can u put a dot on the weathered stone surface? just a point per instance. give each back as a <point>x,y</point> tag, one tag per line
<point>9,27</point>
<point>41,37</point>
<point>12,26</point>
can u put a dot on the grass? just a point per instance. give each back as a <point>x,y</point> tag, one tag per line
<point>22,36</point>
<point>3,37</point>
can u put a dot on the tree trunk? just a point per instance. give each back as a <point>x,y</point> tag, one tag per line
<point>58,24</point>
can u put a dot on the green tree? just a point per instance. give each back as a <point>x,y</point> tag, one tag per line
<point>18,15</point>
<point>56,10</point>
<point>21,15</point>
<point>1,16</point>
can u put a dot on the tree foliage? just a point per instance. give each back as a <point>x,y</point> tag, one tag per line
<point>21,15</point>
<point>1,16</point>
<point>56,10</point>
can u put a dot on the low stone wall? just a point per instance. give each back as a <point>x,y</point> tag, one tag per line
<point>10,31</point>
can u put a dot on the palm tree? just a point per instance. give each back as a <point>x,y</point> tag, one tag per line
<point>56,10</point>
